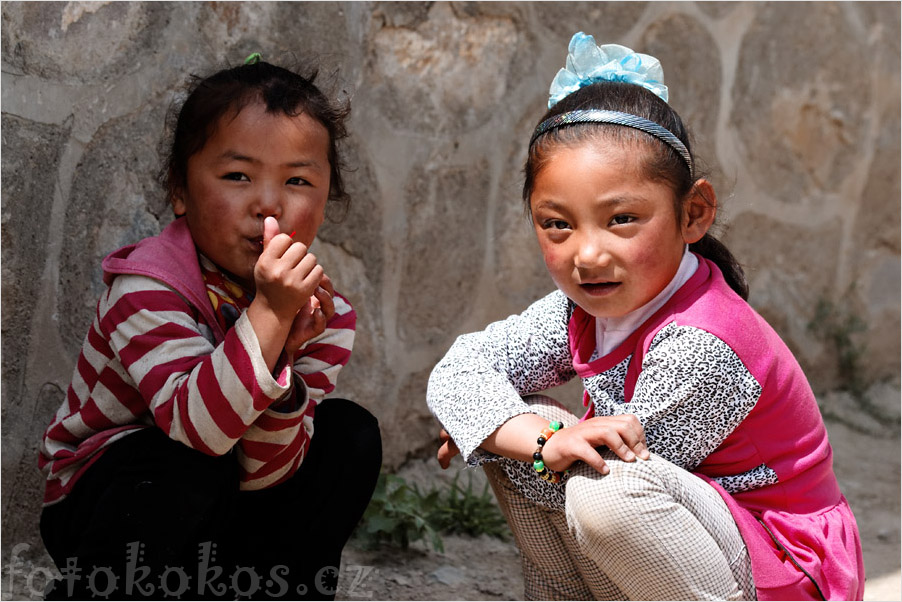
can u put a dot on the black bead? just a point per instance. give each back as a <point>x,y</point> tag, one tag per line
<point>537,456</point>
<point>540,440</point>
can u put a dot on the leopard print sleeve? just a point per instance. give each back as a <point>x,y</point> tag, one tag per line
<point>479,383</point>
<point>692,392</point>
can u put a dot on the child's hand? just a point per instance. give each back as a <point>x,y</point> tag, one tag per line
<point>311,320</point>
<point>286,275</point>
<point>448,449</point>
<point>622,434</point>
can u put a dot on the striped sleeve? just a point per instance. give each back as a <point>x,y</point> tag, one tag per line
<point>203,395</point>
<point>321,359</point>
<point>273,447</point>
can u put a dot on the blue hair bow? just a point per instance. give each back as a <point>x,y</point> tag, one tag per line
<point>588,63</point>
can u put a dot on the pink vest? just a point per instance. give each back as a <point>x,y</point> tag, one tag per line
<point>803,518</point>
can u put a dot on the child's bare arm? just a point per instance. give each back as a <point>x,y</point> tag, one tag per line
<point>622,434</point>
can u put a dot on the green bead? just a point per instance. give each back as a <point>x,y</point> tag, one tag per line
<point>538,465</point>
<point>555,426</point>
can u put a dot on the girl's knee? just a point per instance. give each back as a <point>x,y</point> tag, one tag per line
<point>148,463</point>
<point>607,504</point>
<point>351,424</point>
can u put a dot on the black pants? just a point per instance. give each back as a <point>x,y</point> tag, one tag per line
<point>154,519</point>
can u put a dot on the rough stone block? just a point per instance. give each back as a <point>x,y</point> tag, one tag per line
<point>115,200</point>
<point>790,268</point>
<point>609,22</point>
<point>357,227</point>
<point>452,69</point>
<point>81,42</point>
<point>693,75</point>
<point>798,103</point>
<point>28,148</point>
<point>444,248</point>
<point>23,483</point>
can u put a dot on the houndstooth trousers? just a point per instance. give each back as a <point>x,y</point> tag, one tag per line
<point>648,530</point>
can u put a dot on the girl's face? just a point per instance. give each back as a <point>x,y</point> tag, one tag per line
<point>610,236</point>
<point>256,164</point>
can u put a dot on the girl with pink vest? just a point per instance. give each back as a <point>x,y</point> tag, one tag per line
<point>701,469</point>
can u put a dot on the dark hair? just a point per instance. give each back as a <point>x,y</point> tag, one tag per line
<point>281,90</point>
<point>663,163</point>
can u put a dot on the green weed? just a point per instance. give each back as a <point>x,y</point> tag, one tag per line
<point>462,511</point>
<point>400,514</point>
<point>397,515</point>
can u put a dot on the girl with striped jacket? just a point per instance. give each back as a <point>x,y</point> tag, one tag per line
<point>195,454</point>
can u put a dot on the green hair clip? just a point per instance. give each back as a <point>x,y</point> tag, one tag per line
<point>253,59</point>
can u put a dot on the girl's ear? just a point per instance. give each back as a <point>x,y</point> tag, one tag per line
<point>699,211</point>
<point>177,198</point>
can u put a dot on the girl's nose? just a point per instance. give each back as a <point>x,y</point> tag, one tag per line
<point>268,203</point>
<point>591,254</point>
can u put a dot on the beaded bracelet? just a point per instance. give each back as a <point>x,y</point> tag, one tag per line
<point>538,461</point>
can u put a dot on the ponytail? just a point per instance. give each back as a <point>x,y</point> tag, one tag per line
<point>711,248</point>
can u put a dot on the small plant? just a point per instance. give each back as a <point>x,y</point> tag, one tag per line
<point>462,511</point>
<point>397,515</point>
<point>400,514</point>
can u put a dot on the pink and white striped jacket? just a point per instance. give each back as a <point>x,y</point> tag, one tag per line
<point>155,356</point>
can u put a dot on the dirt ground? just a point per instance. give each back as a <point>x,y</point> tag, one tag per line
<point>485,568</point>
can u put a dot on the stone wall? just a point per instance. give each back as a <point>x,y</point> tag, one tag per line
<point>795,107</point>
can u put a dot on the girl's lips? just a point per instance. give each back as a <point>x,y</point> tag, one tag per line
<point>256,243</point>
<point>599,289</point>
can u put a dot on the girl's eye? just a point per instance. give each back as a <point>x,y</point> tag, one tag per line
<point>236,176</point>
<point>622,219</point>
<point>297,181</point>
<point>556,224</point>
